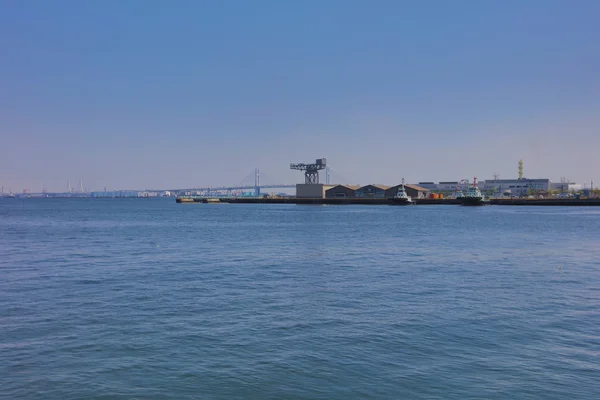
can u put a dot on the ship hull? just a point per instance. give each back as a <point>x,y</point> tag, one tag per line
<point>473,201</point>
<point>400,202</point>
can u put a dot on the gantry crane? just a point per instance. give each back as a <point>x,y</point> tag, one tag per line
<point>311,171</point>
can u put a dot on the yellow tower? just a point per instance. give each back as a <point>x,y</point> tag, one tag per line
<point>520,169</point>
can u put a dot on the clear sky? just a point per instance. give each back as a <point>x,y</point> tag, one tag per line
<point>166,94</point>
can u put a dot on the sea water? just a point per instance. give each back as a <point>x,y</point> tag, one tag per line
<point>149,299</point>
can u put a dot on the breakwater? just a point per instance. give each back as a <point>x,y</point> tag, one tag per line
<point>370,201</point>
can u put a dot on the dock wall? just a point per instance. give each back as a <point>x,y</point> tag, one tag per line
<point>369,201</point>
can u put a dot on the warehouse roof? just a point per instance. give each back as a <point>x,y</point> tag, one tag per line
<point>417,188</point>
<point>382,187</point>
<point>353,187</point>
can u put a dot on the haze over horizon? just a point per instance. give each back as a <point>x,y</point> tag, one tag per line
<point>151,94</point>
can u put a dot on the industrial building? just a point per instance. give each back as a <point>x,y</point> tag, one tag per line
<point>372,191</point>
<point>414,191</point>
<point>516,187</point>
<point>512,187</point>
<point>117,193</point>
<point>342,191</point>
<point>523,187</point>
<point>312,190</point>
<point>355,191</point>
<point>566,186</point>
<point>450,186</point>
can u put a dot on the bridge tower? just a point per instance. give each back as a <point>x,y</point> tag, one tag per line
<point>311,171</point>
<point>256,182</point>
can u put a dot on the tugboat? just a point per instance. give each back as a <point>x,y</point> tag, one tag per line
<point>473,196</point>
<point>401,198</point>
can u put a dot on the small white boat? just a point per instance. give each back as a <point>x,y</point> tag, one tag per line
<point>401,197</point>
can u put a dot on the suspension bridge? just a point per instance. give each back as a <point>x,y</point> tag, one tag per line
<point>257,187</point>
<point>255,183</point>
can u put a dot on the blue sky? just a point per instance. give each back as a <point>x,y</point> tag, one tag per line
<point>157,94</point>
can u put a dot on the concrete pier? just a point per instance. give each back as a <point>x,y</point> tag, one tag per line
<point>370,201</point>
<point>198,200</point>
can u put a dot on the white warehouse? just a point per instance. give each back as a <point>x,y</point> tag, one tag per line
<point>516,187</point>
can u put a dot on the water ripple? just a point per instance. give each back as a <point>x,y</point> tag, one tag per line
<point>149,299</point>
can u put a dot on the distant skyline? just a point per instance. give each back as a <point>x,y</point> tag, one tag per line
<point>155,94</point>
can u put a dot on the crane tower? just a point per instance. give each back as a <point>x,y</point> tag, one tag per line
<point>311,171</point>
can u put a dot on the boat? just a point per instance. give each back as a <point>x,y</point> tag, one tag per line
<point>473,196</point>
<point>401,198</point>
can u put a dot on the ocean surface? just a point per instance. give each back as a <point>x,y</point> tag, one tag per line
<point>149,299</point>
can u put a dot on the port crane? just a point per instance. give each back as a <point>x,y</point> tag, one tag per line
<point>311,171</point>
